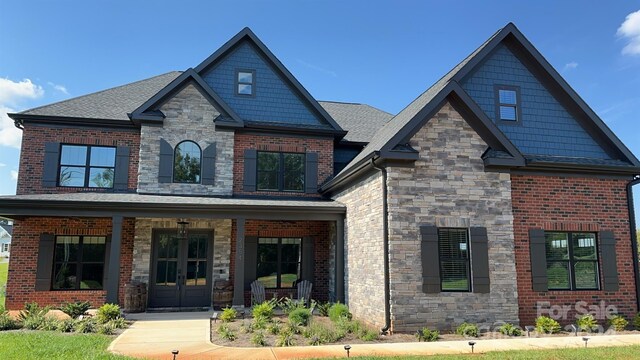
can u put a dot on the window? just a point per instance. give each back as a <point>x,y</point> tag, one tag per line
<point>78,262</point>
<point>572,261</point>
<point>453,247</point>
<point>186,163</point>
<point>245,82</point>
<point>280,171</point>
<point>279,262</point>
<point>507,101</point>
<point>5,247</point>
<point>87,166</point>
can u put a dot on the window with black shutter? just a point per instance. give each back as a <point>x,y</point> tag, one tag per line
<point>453,248</point>
<point>572,261</point>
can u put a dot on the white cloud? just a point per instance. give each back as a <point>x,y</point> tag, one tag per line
<point>12,92</point>
<point>58,87</point>
<point>318,68</point>
<point>14,175</point>
<point>9,134</point>
<point>630,29</point>
<point>570,65</point>
<point>2,164</point>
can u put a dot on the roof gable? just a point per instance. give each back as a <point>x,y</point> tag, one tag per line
<point>279,98</point>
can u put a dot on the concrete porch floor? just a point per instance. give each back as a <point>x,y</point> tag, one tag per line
<point>155,335</point>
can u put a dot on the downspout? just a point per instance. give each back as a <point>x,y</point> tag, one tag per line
<point>634,237</point>
<point>385,232</point>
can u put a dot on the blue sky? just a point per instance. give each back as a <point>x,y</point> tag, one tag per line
<point>383,53</point>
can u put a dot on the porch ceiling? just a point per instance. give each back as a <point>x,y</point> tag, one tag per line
<point>138,205</point>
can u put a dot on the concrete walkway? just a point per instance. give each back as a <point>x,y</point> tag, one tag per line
<point>155,335</point>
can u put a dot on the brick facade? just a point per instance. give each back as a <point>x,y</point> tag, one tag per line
<point>34,139</point>
<point>283,143</point>
<point>318,230</point>
<point>24,258</point>
<point>572,204</point>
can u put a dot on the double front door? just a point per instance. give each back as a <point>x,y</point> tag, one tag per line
<point>181,270</point>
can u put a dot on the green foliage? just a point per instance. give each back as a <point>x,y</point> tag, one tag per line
<point>264,310</point>
<point>547,325</point>
<point>75,309</point>
<point>321,334</point>
<point>427,335</point>
<point>228,315</point>
<point>339,311</point>
<point>246,328</point>
<point>300,316</point>
<point>510,330</point>
<point>273,328</point>
<point>119,323</point>
<point>259,323</point>
<point>7,322</point>
<point>108,312</point>
<point>49,323</point>
<point>323,308</point>
<point>88,325</point>
<point>285,338</point>
<point>107,328</point>
<point>291,327</point>
<point>587,323</point>
<point>226,333</point>
<point>33,322</point>
<point>618,322</point>
<point>367,334</point>
<point>186,167</point>
<point>288,305</point>
<point>259,339</point>
<point>636,321</point>
<point>33,310</point>
<point>67,325</point>
<point>467,330</point>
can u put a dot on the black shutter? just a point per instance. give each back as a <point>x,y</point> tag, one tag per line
<point>107,255</point>
<point>480,259</point>
<point>45,262</point>
<point>209,165</point>
<point>250,169</point>
<point>608,261</point>
<point>250,260</point>
<point>311,173</point>
<point>50,166</point>
<point>165,173</point>
<point>430,259</point>
<point>121,176</point>
<point>308,261</point>
<point>537,250</point>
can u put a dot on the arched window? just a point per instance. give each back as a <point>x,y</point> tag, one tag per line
<point>186,163</point>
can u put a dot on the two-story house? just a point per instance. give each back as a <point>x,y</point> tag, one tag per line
<point>496,190</point>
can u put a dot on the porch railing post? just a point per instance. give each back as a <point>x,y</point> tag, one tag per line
<point>340,260</point>
<point>238,281</point>
<point>113,278</point>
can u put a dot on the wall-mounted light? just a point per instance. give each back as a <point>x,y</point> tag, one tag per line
<point>183,228</point>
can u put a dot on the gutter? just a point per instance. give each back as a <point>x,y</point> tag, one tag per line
<point>352,171</point>
<point>634,237</point>
<point>385,232</point>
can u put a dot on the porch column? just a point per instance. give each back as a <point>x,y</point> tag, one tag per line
<point>113,276</point>
<point>238,280</point>
<point>340,260</point>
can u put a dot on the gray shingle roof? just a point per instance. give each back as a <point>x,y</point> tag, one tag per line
<point>361,120</point>
<point>110,104</point>
<point>7,228</point>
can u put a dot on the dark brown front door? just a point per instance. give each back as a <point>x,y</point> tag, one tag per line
<point>181,270</point>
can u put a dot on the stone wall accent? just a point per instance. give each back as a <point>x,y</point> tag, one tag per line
<point>447,186</point>
<point>143,238</point>
<point>189,116</point>
<point>570,203</point>
<point>364,260</point>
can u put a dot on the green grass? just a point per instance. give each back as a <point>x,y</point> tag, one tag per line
<point>609,353</point>
<point>4,269</point>
<point>55,346</point>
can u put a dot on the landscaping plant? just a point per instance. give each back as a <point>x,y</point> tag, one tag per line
<point>288,305</point>
<point>108,312</point>
<point>226,333</point>
<point>323,308</point>
<point>510,330</point>
<point>587,323</point>
<point>467,330</point>
<point>264,310</point>
<point>228,314</point>
<point>618,322</point>
<point>107,328</point>
<point>285,339</point>
<point>6,321</point>
<point>300,316</point>
<point>636,321</point>
<point>75,309</point>
<point>547,325</point>
<point>67,325</point>
<point>273,328</point>
<point>339,311</point>
<point>259,323</point>
<point>88,325</point>
<point>258,339</point>
<point>427,335</point>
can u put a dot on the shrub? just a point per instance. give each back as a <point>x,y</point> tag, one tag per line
<point>119,323</point>
<point>339,311</point>
<point>33,310</point>
<point>67,325</point>
<point>323,308</point>
<point>288,305</point>
<point>258,339</point>
<point>285,339</point>
<point>226,333</point>
<point>259,323</point>
<point>108,312</point>
<point>264,310</point>
<point>636,321</point>
<point>510,330</point>
<point>547,325</point>
<point>300,316</point>
<point>322,333</point>
<point>427,335</point>
<point>587,323</point>
<point>75,309</point>
<point>33,322</point>
<point>228,315</point>
<point>7,322</point>
<point>467,330</point>
<point>273,328</point>
<point>107,328</point>
<point>88,325</point>
<point>618,322</point>
<point>49,323</point>
<point>246,328</point>
<point>367,334</point>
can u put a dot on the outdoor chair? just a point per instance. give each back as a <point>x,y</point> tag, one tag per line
<point>257,293</point>
<point>304,291</point>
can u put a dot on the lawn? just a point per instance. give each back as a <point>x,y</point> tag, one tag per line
<point>47,345</point>
<point>4,268</point>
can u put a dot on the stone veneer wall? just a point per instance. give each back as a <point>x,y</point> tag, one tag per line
<point>189,116</point>
<point>364,258</point>
<point>448,187</point>
<point>142,245</point>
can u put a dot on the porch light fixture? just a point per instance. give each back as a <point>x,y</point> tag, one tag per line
<point>182,228</point>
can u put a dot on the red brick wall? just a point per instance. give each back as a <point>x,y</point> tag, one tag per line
<point>324,148</point>
<point>318,230</point>
<point>24,258</point>
<point>32,153</point>
<point>571,204</point>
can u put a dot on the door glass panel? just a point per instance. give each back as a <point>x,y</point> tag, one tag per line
<point>202,273</point>
<point>193,248</point>
<point>172,272</point>
<point>161,272</point>
<point>202,248</point>
<point>172,248</point>
<point>192,273</point>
